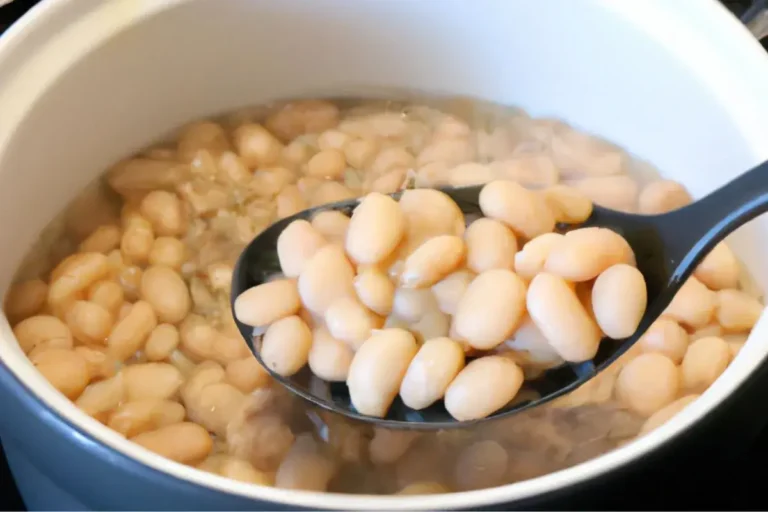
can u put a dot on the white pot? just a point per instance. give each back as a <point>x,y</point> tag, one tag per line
<point>85,82</point>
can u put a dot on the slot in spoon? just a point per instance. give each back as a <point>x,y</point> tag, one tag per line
<point>667,249</point>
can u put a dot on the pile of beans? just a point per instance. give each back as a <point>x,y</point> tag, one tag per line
<point>124,306</point>
<point>453,291</point>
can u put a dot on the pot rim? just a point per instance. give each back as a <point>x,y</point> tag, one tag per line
<point>720,54</point>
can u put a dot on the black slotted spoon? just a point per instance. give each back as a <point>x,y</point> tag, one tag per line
<point>667,249</point>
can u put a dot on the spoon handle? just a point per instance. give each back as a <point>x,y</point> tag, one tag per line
<point>691,232</point>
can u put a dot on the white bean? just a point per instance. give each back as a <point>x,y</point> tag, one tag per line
<point>719,269</point>
<point>247,374</point>
<point>390,182</point>
<point>450,290</point>
<point>389,158</point>
<point>666,337</point>
<point>432,261</point>
<point>533,170</point>
<point>242,470</point>
<point>492,306</point>
<point>268,302</point>
<point>529,339</point>
<point>435,324</point>
<point>449,150</point>
<point>663,196</point>
<point>256,146</point>
<point>290,201</point>
<point>436,364</point>
<point>351,322</point>
<point>42,331</point>
<point>360,152</point>
<point>103,396</point>
<point>75,275</point>
<point>137,240</point>
<point>130,281</point>
<point>329,358</point>
<point>693,305</point>
<point>328,163</point>
<point>705,360</point>
<point>481,465</point>
<point>558,313</point>
<point>619,298</point>
<point>101,365</point>
<point>735,343</point>
<point>411,305</point>
<point>201,136</point>
<point>296,245</point>
<point>568,204</point>
<point>375,229</point>
<point>430,213</point>
<point>387,446</point>
<point>332,225</point>
<point>133,418</point>
<point>151,381</point>
<point>331,192</point>
<point>333,139</point>
<point>377,370</point>
<point>648,383</point>
<point>327,276</point>
<point>423,488</point>
<point>89,322</point>
<point>305,467</point>
<point>303,116</point>
<point>490,244</point>
<point>107,294</point>
<point>375,290</point>
<point>434,174</point>
<point>164,211</point>
<point>165,290</point>
<point>285,346</point>
<point>104,240</point>
<point>577,153</point>
<point>615,192</point>
<point>162,341</point>
<point>737,311</point>
<point>167,251</point>
<point>130,333</point>
<point>706,331</point>
<point>197,336</point>
<point>470,173</point>
<point>524,211</point>
<point>66,370</point>
<point>276,182</point>
<point>584,253</point>
<point>143,174</point>
<point>665,414</point>
<point>531,259</point>
<point>182,442</point>
<point>232,170</point>
<point>483,387</point>
<point>214,406</point>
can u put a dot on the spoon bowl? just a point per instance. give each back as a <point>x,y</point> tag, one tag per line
<point>667,249</point>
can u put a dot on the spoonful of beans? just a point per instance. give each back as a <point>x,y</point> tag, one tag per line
<point>418,309</point>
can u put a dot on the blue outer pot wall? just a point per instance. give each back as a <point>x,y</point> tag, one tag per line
<point>39,492</point>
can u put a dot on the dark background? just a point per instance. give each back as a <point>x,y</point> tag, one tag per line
<point>719,465</point>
